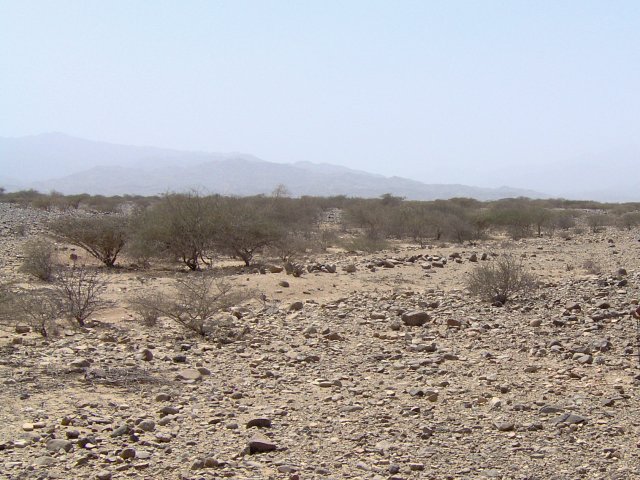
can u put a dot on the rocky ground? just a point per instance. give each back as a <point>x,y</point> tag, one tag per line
<point>391,371</point>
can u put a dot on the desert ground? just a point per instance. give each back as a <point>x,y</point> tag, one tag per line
<point>333,376</point>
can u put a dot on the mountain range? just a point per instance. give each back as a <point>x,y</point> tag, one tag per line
<point>69,165</point>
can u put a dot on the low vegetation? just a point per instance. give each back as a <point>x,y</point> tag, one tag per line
<point>38,259</point>
<point>195,303</point>
<point>80,293</point>
<point>498,281</point>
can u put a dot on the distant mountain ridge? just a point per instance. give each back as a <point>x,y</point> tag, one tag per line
<point>72,165</point>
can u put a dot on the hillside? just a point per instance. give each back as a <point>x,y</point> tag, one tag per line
<point>71,165</point>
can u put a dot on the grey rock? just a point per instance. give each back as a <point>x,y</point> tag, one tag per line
<point>147,425</point>
<point>415,318</point>
<point>547,409</point>
<point>569,419</point>
<point>503,426</point>
<point>128,453</point>
<point>23,329</point>
<point>260,422</point>
<point>58,444</point>
<point>260,444</point>
<point>296,306</point>
<point>44,461</point>
<point>146,355</point>
<point>189,375</point>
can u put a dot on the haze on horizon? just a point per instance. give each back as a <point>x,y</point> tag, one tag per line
<point>480,93</point>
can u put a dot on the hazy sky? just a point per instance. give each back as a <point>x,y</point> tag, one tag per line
<point>445,91</point>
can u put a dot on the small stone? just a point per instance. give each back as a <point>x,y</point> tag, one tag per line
<point>551,409</point>
<point>44,461</point>
<point>80,363</point>
<point>211,462</point>
<point>147,425</point>
<point>504,426</point>
<point>569,419</point>
<point>259,422</point>
<point>58,444</point>
<point>415,318</point>
<point>169,410</point>
<point>23,329</point>
<point>286,469</point>
<point>452,322</point>
<point>146,355</point>
<point>103,475</point>
<point>189,375</point>
<point>296,306</point>
<point>284,284</point>
<point>261,444</point>
<point>121,430</point>
<point>128,453</point>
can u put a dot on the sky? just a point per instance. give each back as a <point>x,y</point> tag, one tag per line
<point>439,91</point>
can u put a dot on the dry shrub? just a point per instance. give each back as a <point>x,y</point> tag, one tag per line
<point>39,309</point>
<point>80,292</point>
<point>147,307</point>
<point>325,238</point>
<point>500,280</point>
<point>592,267</point>
<point>6,301</point>
<point>365,243</point>
<point>196,303</point>
<point>38,259</point>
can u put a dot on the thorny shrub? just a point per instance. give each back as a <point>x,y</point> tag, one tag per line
<point>500,280</point>
<point>195,302</point>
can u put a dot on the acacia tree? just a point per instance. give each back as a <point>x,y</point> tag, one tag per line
<point>102,237</point>
<point>181,226</point>
<point>246,227</point>
<point>412,220</point>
